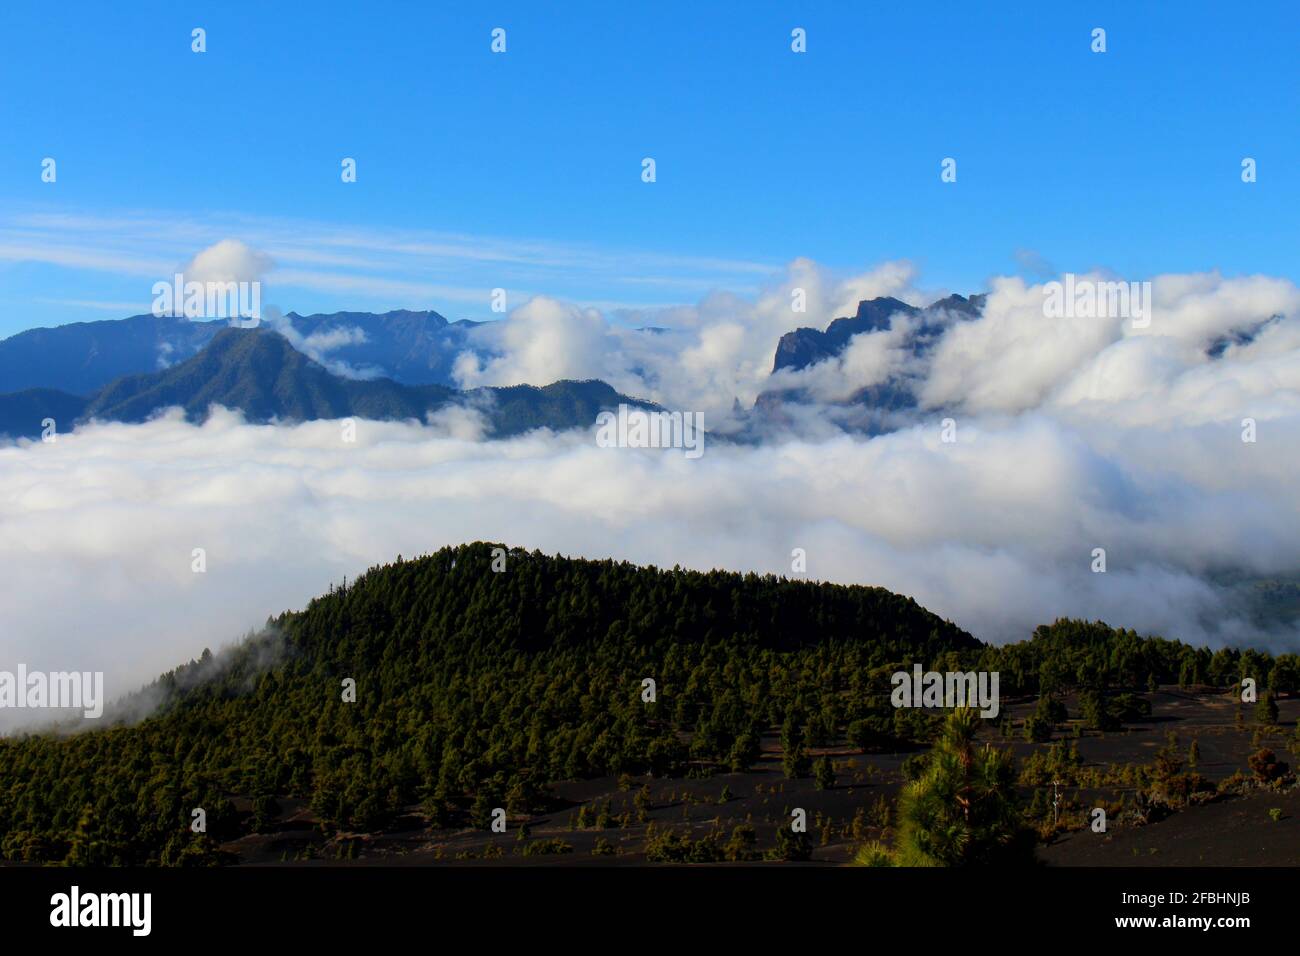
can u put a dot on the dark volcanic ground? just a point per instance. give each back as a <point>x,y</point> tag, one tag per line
<point>1233,831</point>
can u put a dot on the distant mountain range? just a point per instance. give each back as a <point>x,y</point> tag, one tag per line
<point>413,348</point>
<point>392,365</point>
<point>258,372</point>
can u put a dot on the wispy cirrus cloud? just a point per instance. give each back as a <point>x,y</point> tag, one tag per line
<point>345,266</point>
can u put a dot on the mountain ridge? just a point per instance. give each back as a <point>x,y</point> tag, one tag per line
<point>260,373</point>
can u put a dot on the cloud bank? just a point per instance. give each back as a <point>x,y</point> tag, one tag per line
<point>1071,435</point>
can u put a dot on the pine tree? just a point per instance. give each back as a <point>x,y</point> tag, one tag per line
<point>642,804</point>
<point>1266,712</point>
<point>824,773</point>
<point>963,810</point>
<point>796,763</point>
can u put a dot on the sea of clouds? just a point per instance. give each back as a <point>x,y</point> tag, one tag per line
<point>1072,434</point>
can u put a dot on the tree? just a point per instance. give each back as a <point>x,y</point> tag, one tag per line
<point>265,810</point>
<point>791,846</point>
<point>963,810</point>
<point>796,763</point>
<point>869,733</point>
<point>1037,730</point>
<point>480,813</point>
<point>744,752</point>
<point>742,846</point>
<point>1285,676</point>
<point>1095,714</point>
<point>1050,710</point>
<point>824,773</point>
<point>642,804</point>
<point>1266,710</point>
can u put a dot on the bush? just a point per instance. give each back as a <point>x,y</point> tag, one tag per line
<point>743,845</point>
<point>547,848</point>
<point>1266,767</point>
<point>669,846</point>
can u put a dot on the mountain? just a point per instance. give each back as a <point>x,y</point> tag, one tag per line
<point>879,406</point>
<point>477,684</point>
<point>804,347</point>
<point>420,696</point>
<point>83,357</point>
<point>259,373</point>
<point>414,348</point>
<point>22,413</point>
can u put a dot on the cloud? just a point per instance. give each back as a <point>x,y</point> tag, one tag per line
<point>705,357</point>
<point>540,342</point>
<point>1015,359</point>
<point>1034,264</point>
<point>1072,434</point>
<point>360,267</point>
<point>228,261</point>
<point>995,531</point>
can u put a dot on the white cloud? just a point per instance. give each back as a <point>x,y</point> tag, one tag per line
<point>995,531</point>
<point>709,356</point>
<point>228,261</point>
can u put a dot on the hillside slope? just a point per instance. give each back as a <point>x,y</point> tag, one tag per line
<point>471,685</point>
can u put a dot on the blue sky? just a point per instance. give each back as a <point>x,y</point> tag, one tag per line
<point>522,170</point>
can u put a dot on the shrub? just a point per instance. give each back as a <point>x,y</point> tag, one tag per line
<point>1266,766</point>
<point>743,845</point>
<point>547,847</point>
<point>669,846</point>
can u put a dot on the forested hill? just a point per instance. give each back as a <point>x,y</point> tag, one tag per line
<point>471,685</point>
